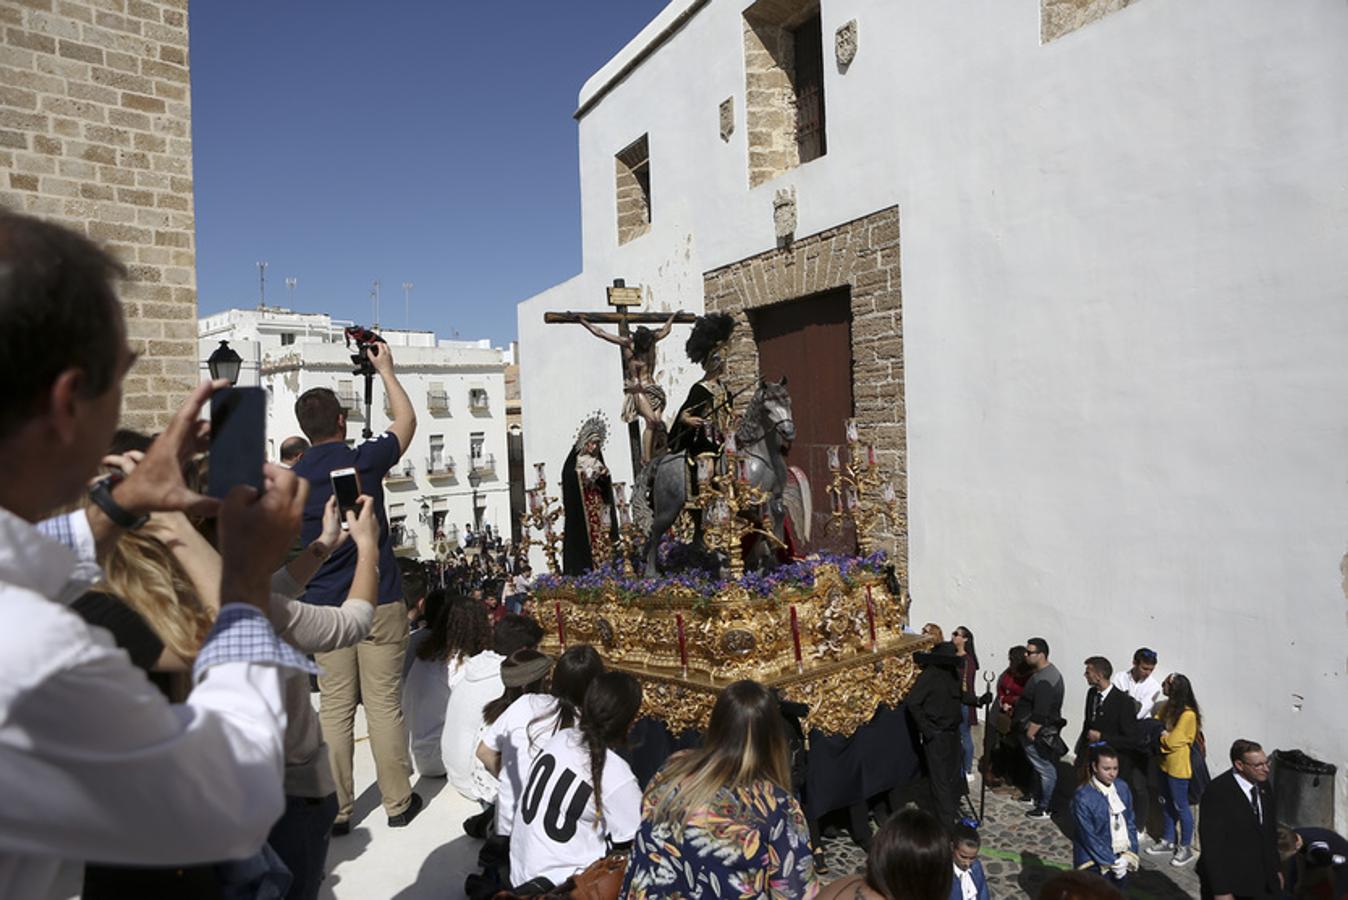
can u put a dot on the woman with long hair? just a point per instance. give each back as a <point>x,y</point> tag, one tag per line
<point>722,818</point>
<point>1180,715</point>
<point>459,632</point>
<point>909,859</point>
<point>963,639</point>
<point>581,799</point>
<point>1102,808</point>
<point>515,736</point>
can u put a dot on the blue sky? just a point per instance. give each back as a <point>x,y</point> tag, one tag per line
<point>405,140</point>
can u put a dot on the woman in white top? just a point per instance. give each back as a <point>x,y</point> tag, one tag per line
<point>581,799</point>
<point>460,632</point>
<point>514,738</point>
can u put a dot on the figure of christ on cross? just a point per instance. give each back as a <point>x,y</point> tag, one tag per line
<point>643,399</point>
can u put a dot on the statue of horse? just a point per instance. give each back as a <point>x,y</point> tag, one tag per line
<point>767,429</point>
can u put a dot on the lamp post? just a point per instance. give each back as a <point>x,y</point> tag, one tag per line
<point>225,363</point>
<point>474,480</point>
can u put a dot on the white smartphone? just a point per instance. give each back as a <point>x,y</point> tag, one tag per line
<point>346,488</point>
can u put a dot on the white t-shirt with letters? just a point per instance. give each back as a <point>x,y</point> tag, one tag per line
<point>557,833</point>
<point>519,735</point>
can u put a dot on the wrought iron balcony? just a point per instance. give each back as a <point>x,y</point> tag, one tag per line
<point>437,402</point>
<point>439,466</point>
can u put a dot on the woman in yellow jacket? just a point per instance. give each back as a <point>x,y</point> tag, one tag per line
<point>1182,720</point>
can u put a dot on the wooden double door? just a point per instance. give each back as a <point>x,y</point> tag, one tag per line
<point>809,341</point>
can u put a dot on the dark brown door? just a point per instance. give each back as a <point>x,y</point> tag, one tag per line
<point>810,342</point>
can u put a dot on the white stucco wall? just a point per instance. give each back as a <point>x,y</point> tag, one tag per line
<point>1124,318</point>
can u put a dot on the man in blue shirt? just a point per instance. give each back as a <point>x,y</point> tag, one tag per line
<point>370,672</point>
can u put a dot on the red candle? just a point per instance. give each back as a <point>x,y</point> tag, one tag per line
<point>870,615</point>
<point>795,638</point>
<point>561,622</point>
<point>683,645</point>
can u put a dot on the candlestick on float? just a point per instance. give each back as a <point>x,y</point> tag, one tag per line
<point>561,623</point>
<point>683,647</point>
<point>795,640</point>
<point>870,616</point>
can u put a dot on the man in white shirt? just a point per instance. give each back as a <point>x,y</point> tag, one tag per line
<point>94,764</point>
<point>1140,682</point>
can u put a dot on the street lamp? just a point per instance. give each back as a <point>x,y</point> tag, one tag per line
<point>474,480</point>
<point>225,363</point>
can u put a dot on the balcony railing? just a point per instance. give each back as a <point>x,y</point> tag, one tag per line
<point>440,466</point>
<point>402,537</point>
<point>352,403</point>
<point>477,400</point>
<point>437,402</point>
<point>403,472</point>
<point>485,464</point>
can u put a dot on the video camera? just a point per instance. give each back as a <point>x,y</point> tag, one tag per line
<point>363,339</point>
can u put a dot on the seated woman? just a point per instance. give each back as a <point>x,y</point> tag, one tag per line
<point>515,737</point>
<point>721,819</point>
<point>457,633</point>
<point>1106,833</point>
<point>581,800</point>
<point>909,859</point>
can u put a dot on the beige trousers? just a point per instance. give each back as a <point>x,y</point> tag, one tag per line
<point>369,673</point>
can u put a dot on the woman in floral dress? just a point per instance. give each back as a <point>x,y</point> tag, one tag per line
<point>721,821</point>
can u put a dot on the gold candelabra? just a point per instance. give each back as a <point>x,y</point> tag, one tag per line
<point>631,539</point>
<point>859,491</point>
<point>543,513</point>
<point>730,506</point>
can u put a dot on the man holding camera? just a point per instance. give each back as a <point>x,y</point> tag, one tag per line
<point>94,763</point>
<point>370,672</point>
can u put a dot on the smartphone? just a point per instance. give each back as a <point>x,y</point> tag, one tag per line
<point>346,488</point>
<point>238,439</point>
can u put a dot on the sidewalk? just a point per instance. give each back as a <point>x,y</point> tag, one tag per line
<point>428,859</point>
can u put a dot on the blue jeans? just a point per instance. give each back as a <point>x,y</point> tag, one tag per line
<point>1045,770</point>
<point>300,838</point>
<point>1175,805</point>
<point>967,739</point>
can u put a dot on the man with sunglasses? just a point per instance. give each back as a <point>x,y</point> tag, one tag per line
<point>1141,684</point>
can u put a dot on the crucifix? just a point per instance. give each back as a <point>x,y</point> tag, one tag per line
<point>637,363</point>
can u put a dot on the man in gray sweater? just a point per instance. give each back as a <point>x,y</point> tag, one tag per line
<point>1038,717</point>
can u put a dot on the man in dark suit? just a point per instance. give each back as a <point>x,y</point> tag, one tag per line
<point>1110,714</point>
<point>1238,830</point>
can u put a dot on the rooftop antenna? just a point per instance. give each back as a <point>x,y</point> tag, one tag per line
<point>407,304</point>
<point>290,289</point>
<point>374,295</point>
<point>262,284</point>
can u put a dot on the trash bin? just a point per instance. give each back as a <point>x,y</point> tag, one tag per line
<point>1304,789</point>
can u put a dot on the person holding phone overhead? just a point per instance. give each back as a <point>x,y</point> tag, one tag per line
<point>371,671</point>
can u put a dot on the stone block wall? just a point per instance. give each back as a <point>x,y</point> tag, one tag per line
<point>95,132</point>
<point>1060,17</point>
<point>769,95</point>
<point>633,173</point>
<point>862,255</point>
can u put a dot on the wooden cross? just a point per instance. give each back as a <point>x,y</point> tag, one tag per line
<point>621,297</point>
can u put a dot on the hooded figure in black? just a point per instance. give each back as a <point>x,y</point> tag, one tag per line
<point>695,429</point>
<point>936,703</point>
<point>587,499</point>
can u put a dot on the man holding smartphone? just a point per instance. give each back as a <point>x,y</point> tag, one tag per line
<point>370,672</point>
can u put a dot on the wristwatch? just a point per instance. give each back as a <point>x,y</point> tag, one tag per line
<point>101,495</point>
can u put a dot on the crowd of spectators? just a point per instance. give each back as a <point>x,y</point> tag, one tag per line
<point>113,564</point>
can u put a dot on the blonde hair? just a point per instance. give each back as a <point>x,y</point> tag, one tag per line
<point>141,571</point>
<point>745,745</point>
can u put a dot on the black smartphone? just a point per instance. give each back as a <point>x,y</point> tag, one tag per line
<point>346,488</point>
<point>238,439</point>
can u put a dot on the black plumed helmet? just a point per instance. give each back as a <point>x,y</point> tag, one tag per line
<point>708,331</point>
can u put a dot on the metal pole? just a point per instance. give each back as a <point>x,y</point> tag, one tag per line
<point>262,284</point>
<point>290,290</point>
<point>374,292</point>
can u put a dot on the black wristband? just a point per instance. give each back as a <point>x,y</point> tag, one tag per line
<point>101,495</point>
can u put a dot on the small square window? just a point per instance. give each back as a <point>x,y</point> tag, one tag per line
<point>633,167</point>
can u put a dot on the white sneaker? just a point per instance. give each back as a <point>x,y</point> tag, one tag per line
<point>1161,848</point>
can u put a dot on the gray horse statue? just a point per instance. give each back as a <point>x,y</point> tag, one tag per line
<point>765,433</point>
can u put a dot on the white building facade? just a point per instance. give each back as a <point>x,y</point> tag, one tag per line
<point>1112,375</point>
<point>453,476</point>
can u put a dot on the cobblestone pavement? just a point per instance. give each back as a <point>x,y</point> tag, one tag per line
<point>1020,854</point>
